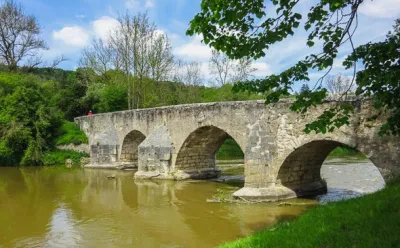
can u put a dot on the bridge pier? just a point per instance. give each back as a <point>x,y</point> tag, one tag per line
<point>279,192</point>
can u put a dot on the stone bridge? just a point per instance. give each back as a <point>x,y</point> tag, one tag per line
<point>281,161</point>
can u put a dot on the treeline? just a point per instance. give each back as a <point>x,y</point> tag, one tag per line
<point>78,92</point>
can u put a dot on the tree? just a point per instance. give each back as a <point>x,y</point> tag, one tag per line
<point>190,77</point>
<point>380,79</point>
<point>141,51</point>
<point>243,69</point>
<point>304,88</point>
<point>226,70</point>
<point>100,56</point>
<point>339,85</point>
<point>160,56</point>
<point>243,29</point>
<point>27,118</point>
<point>19,37</point>
<point>221,67</point>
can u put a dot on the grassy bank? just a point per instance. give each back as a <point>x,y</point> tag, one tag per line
<point>368,221</point>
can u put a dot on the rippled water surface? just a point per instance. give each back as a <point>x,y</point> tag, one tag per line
<point>57,207</point>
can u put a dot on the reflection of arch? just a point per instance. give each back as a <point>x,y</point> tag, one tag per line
<point>199,149</point>
<point>129,150</point>
<point>300,171</point>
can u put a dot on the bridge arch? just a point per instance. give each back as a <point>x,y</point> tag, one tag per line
<point>129,147</point>
<point>300,171</point>
<point>200,147</point>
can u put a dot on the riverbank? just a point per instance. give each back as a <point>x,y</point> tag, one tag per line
<point>368,221</point>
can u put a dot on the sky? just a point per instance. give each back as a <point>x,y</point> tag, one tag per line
<point>70,25</point>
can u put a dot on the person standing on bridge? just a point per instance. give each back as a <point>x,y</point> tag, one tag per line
<point>90,113</point>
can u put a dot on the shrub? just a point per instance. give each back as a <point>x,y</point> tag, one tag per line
<point>69,133</point>
<point>58,157</point>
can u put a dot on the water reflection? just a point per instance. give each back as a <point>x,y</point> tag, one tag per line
<point>55,207</point>
<point>58,207</point>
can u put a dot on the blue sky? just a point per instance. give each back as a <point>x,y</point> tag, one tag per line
<point>70,25</point>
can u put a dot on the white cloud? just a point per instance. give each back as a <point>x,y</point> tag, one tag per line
<point>132,4</point>
<point>381,8</point>
<point>80,16</point>
<point>104,26</point>
<point>149,3</point>
<point>194,50</point>
<point>73,36</point>
<point>263,69</point>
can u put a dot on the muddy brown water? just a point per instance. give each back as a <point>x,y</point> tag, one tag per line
<point>59,207</point>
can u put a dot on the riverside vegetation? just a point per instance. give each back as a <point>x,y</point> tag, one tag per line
<point>367,221</point>
<point>37,109</point>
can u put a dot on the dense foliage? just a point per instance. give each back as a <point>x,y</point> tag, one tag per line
<point>381,76</point>
<point>247,29</point>
<point>28,118</point>
<point>69,133</point>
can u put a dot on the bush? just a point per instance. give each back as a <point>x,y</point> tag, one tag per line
<point>28,118</point>
<point>69,133</point>
<point>58,157</point>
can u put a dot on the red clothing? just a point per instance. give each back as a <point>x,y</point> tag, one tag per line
<point>90,113</point>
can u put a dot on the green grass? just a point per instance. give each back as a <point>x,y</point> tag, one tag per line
<point>346,151</point>
<point>69,133</point>
<point>368,221</point>
<point>58,157</point>
<point>230,150</point>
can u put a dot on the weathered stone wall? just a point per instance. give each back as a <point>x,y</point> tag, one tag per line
<point>281,161</point>
<point>78,148</point>
<point>103,154</point>
<point>155,155</point>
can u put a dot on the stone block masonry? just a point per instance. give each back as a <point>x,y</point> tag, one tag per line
<point>281,161</point>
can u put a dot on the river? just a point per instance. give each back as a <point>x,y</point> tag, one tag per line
<point>59,207</point>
